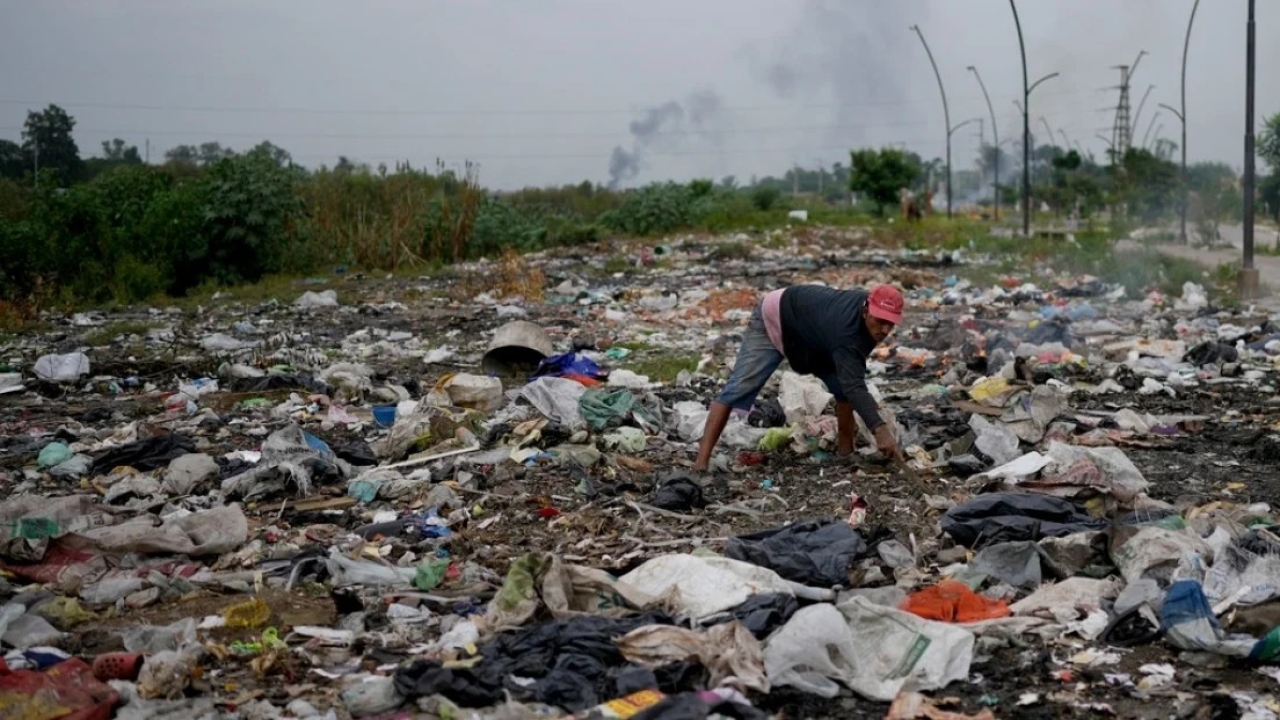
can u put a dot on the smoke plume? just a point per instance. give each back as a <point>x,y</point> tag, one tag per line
<point>665,127</point>
<point>860,55</point>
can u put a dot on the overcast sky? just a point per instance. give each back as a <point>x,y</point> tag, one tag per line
<point>542,91</point>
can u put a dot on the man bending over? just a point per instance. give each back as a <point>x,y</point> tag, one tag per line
<point>820,331</point>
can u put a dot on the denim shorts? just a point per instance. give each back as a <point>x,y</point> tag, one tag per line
<point>757,361</point>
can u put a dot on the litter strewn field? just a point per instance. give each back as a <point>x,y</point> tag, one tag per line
<point>434,497</point>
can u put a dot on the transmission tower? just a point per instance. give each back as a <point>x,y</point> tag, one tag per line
<point>1121,133</point>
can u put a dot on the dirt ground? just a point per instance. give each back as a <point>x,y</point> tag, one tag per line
<point>542,507</point>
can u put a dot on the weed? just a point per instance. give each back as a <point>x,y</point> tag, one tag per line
<point>664,368</point>
<point>107,335</point>
<point>618,264</point>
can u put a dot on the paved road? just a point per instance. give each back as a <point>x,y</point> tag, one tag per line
<point>1268,265</point>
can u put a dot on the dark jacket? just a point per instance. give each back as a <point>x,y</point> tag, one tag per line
<point>823,333</point>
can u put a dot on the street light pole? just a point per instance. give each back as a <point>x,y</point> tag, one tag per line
<point>1248,273</point>
<point>1026,153</point>
<point>1182,117</point>
<point>946,113</point>
<point>995,142</point>
<point>1138,115</point>
<point>1026,129</point>
<point>1150,127</point>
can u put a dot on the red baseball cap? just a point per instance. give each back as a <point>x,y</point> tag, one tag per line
<point>886,303</point>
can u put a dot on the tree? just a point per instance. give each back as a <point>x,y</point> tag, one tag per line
<point>211,152</point>
<point>183,155</point>
<point>13,163</point>
<point>116,151</point>
<point>1147,182</point>
<point>1268,145</point>
<point>46,138</point>
<point>881,175</point>
<point>728,182</point>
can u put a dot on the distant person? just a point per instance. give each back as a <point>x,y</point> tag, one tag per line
<point>820,331</point>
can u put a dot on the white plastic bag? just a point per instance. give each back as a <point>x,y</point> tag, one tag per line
<point>346,571</point>
<point>62,368</point>
<point>475,392</point>
<point>873,649</point>
<point>557,398</point>
<point>696,586</point>
<point>802,397</point>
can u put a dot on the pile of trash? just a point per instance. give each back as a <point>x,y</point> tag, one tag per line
<point>386,501</point>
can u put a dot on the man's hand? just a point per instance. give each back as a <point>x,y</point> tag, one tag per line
<point>885,442</point>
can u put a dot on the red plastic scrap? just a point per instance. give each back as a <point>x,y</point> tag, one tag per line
<point>66,691</point>
<point>952,601</point>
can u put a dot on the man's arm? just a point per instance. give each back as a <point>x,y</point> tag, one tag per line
<point>851,371</point>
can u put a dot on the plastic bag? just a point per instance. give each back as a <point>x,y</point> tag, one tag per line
<point>1189,623</point>
<point>996,442</point>
<point>62,368</point>
<point>951,601</point>
<point>728,651</point>
<point>1005,517</point>
<point>346,571</point>
<point>873,649</point>
<point>698,587</point>
<point>811,552</point>
<point>802,397</point>
<point>557,399</point>
<point>474,392</point>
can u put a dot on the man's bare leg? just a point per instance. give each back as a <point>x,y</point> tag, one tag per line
<point>717,418</point>
<point>846,428</point>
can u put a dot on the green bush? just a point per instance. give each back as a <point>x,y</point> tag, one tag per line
<point>765,197</point>
<point>656,209</point>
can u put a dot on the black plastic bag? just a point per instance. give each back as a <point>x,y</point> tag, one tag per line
<point>575,664</point>
<point>761,614</point>
<point>1009,517</point>
<point>812,552</point>
<point>152,453</point>
<point>678,493</point>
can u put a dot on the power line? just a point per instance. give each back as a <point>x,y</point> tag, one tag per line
<point>503,136</point>
<point>463,113</point>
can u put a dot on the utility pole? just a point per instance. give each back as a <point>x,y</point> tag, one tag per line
<point>1048,130</point>
<point>1182,118</point>
<point>148,155</point>
<point>1138,114</point>
<point>995,144</point>
<point>1248,273</point>
<point>1150,127</point>
<point>1026,125</point>
<point>795,181</point>
<point>946,112</point>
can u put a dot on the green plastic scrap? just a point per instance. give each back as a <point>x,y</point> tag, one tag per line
<point>34,528</point>
<point>430,574</point>
<point>604,408</point>
<point>55,453</point>
<point>775,438</point>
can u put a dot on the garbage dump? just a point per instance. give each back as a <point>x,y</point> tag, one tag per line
<point>384,498</point>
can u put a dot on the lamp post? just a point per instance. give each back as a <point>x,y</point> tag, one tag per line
<point>1182,118</point>
<point>1248,273</point>
<point>995,142</point>
<point>1026,130</point>
<point>1138,115</point>
<point>946,113</point>
<point>1026,124</point>
<point>1150,127</point>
